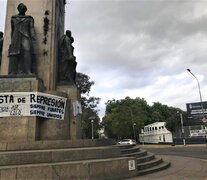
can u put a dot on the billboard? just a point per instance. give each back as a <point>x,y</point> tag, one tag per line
<point>195,110</point>
<point>32,104</point>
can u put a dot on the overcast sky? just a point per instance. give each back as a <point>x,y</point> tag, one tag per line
<point>140,48</point>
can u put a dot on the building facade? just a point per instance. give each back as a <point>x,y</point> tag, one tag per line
<point>156,133</point>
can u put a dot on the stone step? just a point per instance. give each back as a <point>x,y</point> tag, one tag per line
<point>130,150</point>
<point>55,144</point>
<point>140,153</point>
<point>126,146</point>
<point>112,168</point>
<point>146,158</point>
<point>156,168</point>
<point>150,163</point>
<point>57,155</point>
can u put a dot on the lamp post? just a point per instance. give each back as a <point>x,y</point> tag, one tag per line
<point>182,129</point>
<point>199,89</point>
<point>92,121</point>
<point>92,129</point>
<point>133,124</point>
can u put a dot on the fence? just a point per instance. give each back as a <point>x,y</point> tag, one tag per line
<point>199,131</point>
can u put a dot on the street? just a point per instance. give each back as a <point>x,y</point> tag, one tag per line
<point>179,150</point>
<point>187,162</point>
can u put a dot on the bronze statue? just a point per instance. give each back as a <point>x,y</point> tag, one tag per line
<point>22,37</point>
<point>67,61</point>
<point>1,45</point>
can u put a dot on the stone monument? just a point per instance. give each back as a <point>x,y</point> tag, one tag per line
<point>37,98</point>
<point>40,104</point>
<point>67,61</point>
<point>1,45</point>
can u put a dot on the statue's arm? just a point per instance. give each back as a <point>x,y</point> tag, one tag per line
<point>32,29</point>
<point>12,27</point>
<point>69,48</point>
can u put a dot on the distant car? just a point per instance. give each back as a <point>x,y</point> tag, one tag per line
<point>126,141</point>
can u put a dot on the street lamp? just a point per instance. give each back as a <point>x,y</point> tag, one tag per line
<point>199,89</point>
<point>92,121</point>
<point>92,129</point>
<point>133,124</point>
<point>182,129</point>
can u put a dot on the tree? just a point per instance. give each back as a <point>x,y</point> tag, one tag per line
<point>89,106</point>
<point>170,115</point>
<point>122,115</point>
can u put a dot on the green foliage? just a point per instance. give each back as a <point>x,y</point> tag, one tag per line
<point>121,114</point>
<point>83,83</point>
<point>89,106</point>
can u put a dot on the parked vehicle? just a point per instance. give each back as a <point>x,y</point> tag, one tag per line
<point>126,141</point>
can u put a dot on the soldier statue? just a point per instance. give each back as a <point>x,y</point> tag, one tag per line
<point>22,38</point>
<point>67,61</point>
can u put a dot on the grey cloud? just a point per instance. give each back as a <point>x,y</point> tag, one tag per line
<point>130,44</point>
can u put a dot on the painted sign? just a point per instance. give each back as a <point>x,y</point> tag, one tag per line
<point>32,104</point>
<point>131,164</point>
<point>196,111</point>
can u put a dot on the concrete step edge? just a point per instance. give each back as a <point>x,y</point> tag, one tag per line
<point>148,157</point>
<point>29,157</point>
<point>130,150</point>
<point>136,154</point>
<point>159,167</point>
<point>61,163</point>
<point>150,163</point>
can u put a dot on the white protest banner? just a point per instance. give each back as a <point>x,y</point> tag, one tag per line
<point>32,104</point>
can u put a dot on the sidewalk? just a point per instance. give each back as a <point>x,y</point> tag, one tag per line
<point>182,168</point>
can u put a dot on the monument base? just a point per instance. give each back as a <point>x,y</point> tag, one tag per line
<point>20,83</point>
<point>32,128</point>
<point>75,119</point>
<point>19,128</point>
<point>53,129</point>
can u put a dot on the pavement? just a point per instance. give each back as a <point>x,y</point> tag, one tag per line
<point>182,168</point>
<point>145,146</point>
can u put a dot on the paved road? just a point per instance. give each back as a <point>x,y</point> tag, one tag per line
<point>187,162</point>
<point>184,151</point>
<point>182,168</point>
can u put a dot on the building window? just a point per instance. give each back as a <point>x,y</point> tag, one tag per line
<point>160,138</point>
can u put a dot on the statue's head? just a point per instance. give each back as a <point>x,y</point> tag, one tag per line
<point>68,33</point>
<point>22,8</point>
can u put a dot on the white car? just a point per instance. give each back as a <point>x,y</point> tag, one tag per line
<point>126,142</point>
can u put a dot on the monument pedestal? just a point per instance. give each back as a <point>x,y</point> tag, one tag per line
<point>53,129</point>
<point>20,83</point>
<point>19,128</point>
<point>75,119</point>
<point>27,128</point>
